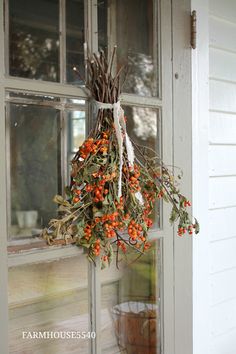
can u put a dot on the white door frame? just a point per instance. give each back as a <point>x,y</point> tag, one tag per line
<point>178,301</point>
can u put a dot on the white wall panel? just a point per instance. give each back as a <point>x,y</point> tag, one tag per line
<point>222,34</point>
<point>222,160</point>
<point>225,9</point>
<point>222,223</point>
<point>222,64</point>
<point>223,256</point>
<point>222,175</point>
<point>222,192</point>
<point>223,318</point>
<point>222,286</point>
<point>222,128</point>
<point>223,95</point>
<point>224,344</point>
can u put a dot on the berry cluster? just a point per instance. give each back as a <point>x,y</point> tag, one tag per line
<point>91,146</point>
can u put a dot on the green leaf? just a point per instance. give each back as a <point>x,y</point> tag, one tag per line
<point>173,216</point>
<point>110,254</point>
<point>197,227</point>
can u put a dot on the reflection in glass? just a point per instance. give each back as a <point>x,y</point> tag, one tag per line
<point>48,297</point>
<point>76,132</point>
<point>74,41</point>
<point>134,20</point>
<point>34,166</point>
<point>144,128</point>
<point>131,305</point>
<point>34,39</point>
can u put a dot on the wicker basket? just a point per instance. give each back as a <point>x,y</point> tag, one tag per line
<point>136,327</point>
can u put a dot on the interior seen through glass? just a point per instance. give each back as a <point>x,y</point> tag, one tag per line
<point>131,26</point>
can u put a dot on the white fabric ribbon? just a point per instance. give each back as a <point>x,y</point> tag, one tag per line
<point>119,124</point>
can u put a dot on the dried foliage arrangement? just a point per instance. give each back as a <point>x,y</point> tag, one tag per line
<point>115,183</point>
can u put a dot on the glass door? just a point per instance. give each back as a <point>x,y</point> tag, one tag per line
<point>57,303</point>
<point>131,303</point>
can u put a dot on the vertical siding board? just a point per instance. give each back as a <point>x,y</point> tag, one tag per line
<point>222,223</point>
<point>222,160</point>
<point>225,9</point>
<point>222,34</point>
<point>222,128</point>
<point>223,255</point>
<point>223,288</point>
<point>223,318</point>
<point>222,192</point>
<point>222,64</point>
<point>224,344</point>
<point>222,96</point>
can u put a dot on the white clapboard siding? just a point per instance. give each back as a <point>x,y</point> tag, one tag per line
<point>223,286</point>
<point>222,96</point>
<point>224,344</point>
<point>223,317</point>
<point>222,128</point>
<point>225,9</point>
<point>223,255</point>
<point>222,175</point>
<point>222,160</point>
<point>222,34</point>
<point>222,192</point>
<point>222,223</point>
<point>222,64</point>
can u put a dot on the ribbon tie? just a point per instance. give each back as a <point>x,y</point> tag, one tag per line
<point>119,124</point>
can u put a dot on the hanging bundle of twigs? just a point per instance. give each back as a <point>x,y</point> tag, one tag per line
<point>115,184</point>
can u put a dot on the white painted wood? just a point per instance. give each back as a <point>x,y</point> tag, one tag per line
<point>225,9</point>
<point>3,207</point>
<point>182,150</point>
<point>223,286</point>
<point>222,160</point>
<point>222,223</point>
<point>223,255</point>
<point>222,64</point>
<point>43,255</point>
<point>222,128</point>
<point>222,34</point>
<point>222,96</point>
<point>200,131</point>
<point>224,344</point>
<point>167,291</point>
<point>223,317</point>
<point>222,192</point>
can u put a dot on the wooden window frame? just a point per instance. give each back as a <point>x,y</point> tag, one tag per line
<point>163,103</point>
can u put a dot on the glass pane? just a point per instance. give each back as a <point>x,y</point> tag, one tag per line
<point>144,128</point>
<point>74,41</point>
<point>131,25</point>
<point>76,133</point>
<point>34,39</point>
<point>131,305</point>
<point>35,163</point>
<point>50,299</point>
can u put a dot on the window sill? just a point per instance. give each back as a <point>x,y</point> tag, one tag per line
<point>22,252</point>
